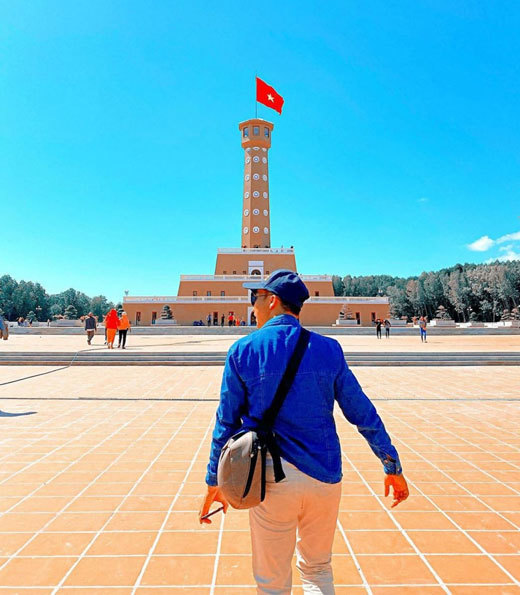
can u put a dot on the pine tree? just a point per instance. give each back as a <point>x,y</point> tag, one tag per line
<point>70,312</point>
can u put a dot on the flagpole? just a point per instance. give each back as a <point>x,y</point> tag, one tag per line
<point>256,102</point>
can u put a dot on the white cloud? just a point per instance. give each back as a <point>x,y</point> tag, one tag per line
<point>509,256</point>
<point>423,199</point>
<point>510,237</point>
<point>482,244</point>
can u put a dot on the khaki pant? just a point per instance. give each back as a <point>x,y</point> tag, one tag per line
<point>298,512</point>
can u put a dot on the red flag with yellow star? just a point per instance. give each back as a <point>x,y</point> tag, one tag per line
<point>268,96</point>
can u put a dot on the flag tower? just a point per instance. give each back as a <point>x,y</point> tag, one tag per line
<point>256,142</point>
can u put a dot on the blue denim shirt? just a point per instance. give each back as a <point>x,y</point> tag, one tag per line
<point>305,429</point>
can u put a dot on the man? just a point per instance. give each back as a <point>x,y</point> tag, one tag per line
<point>208,319</point>
<point>422,328</point>
<point>90,327</point>
<point>4,328</point>
<point>303,508</point>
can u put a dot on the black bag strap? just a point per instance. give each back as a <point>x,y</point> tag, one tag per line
<point>287,379</point>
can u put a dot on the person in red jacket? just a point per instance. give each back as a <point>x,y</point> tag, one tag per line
<point>111,324</point>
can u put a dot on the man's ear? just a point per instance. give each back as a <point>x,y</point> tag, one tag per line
<point>272,302</point>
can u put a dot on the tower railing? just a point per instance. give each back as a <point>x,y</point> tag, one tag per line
<point>255,251</point>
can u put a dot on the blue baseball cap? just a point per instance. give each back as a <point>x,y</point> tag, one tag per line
<point>284,283</point>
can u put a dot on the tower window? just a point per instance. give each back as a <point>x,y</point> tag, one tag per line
<point>316,293</point>
<point>224,272</point>
<point>266,132</point>
<point>208,292</point>
<point>194,293</point>
<point>222,293</point>
<point>256,130</point>
<point>246,131</point>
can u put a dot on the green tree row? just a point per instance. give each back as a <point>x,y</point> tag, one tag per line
<point>30,300</point>
<point>481,292</point>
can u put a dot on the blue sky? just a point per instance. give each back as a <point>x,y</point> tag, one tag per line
<point>120,157</point>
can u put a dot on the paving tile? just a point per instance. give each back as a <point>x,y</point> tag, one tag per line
<point>127,521</point>
<point>106,571</point>
<point>439,542</point>
<point>12,542</point>
<point>510,563</point>
<point>395,570</point>
<point>485,590</point>
<point>57,544</point>
<point>379,542</point>
<point>457,569</point>
<point>179,570</point>
<point>34,572</point>
<point>500,542</point>
<point>189,542</point>
<point>124,543</point>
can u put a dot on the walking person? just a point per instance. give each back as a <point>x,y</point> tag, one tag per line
<point>378,327</point>
<point>90,327</point>
<point>301,509</point>
<point>208,319</point>
<point>4,328</point>
<point>230,319</point>
<point>422,328</point>
<point>111,324</point>
<point>222,320</point>
<point>123,328</point>
<point>387,328</point>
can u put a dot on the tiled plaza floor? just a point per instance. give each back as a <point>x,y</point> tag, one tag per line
<point>202,342</point>
<point>101,496</point>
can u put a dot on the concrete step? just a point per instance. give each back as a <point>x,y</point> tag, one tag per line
<point>129,358</point>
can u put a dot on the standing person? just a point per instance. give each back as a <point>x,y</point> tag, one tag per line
<point>4,328</point>
<point>306,503</point>
<point>111,324</point>
<point>388,324</point>
<point>422,328</point>
<point>90,327</point>
<point>222,320</point>
<point>123,328</point>
<point>208,319</point>
<point>230,319</point>
<point>378,327</point>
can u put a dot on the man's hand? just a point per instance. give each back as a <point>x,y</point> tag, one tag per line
<point>214,495</point>
<point>398,483</point>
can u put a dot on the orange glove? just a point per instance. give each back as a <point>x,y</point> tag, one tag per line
<point>398,483</point>
<point>214,495</point>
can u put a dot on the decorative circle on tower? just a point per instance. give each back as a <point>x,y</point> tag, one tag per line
<point>246,229</point>
<point>256,212</point>
<point>256,177</point>
<point>264,159</point>
<point>246,195</point>
<point>256,194</point>
<point>256,229</point>
<point>246,212</point>
<point>248,160</point>
<point>256,159</point>
<point>256,148</point>
<point>265,194</point>
<point>247,177</point>
<point>266,212</point>
<point>248,150</point>
<point>266,230</point>
<point>264,178</point>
